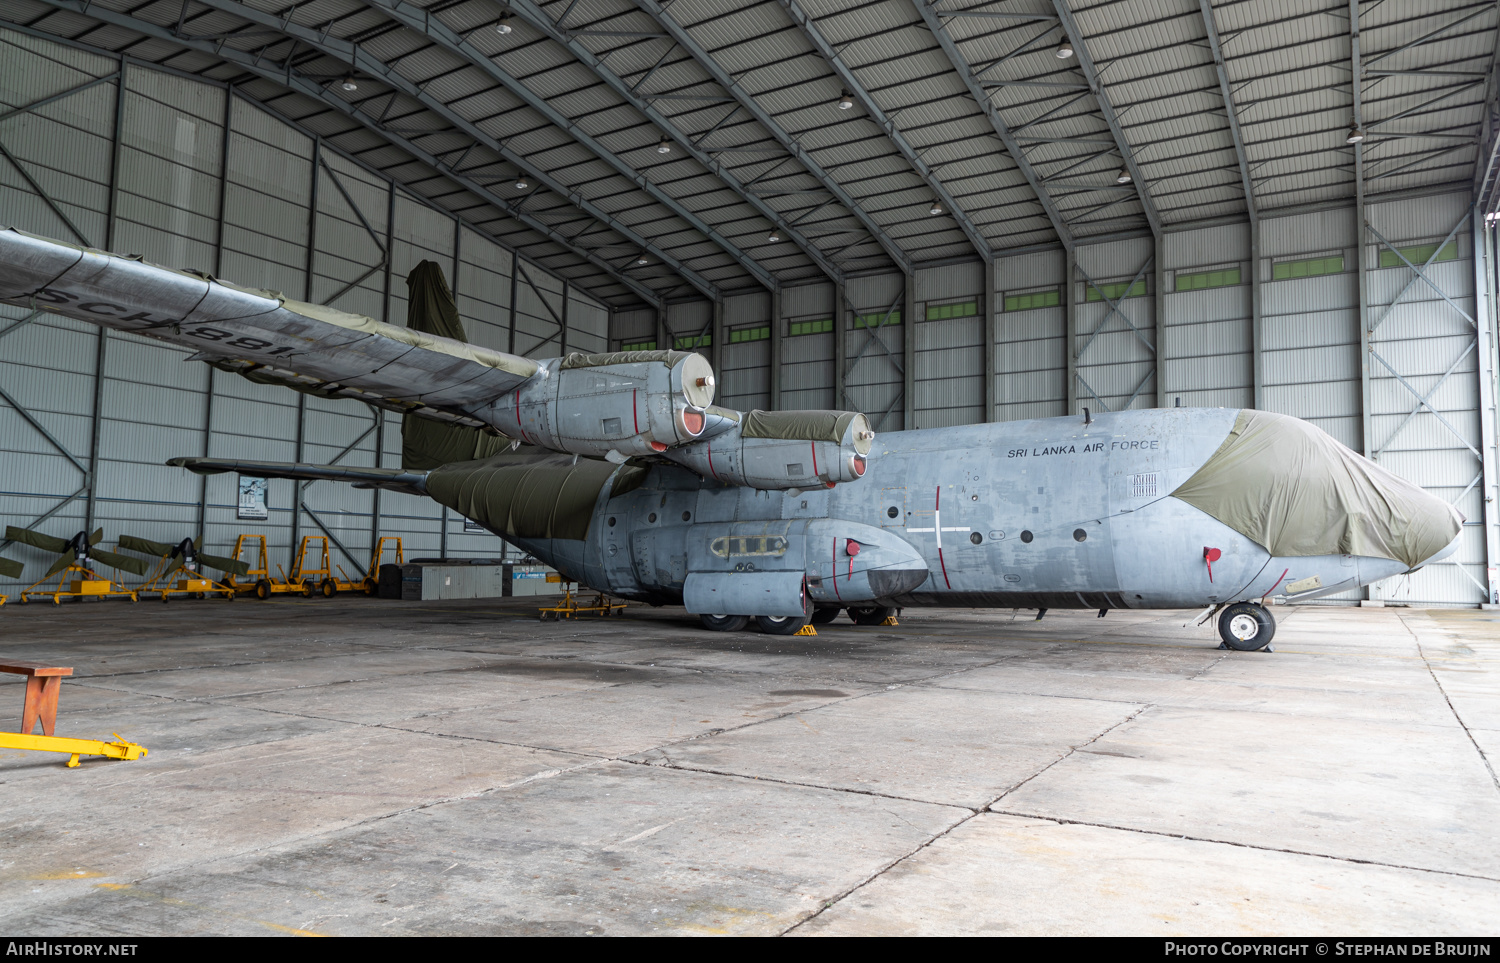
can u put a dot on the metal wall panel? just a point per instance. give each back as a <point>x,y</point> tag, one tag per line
<point>1031,368</point>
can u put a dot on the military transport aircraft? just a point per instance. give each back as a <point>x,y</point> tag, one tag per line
<point>619,471</point>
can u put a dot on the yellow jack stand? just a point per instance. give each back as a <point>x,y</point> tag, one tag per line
<point>122,749</point>
<point>806,630</point>
<point>85,583</point>
<point>570,607</point>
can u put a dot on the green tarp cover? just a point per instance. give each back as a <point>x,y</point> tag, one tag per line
<point>429,305</point>
<point>531,493</point>
<point>1295,491</point>
<point>809,425</point>
<point>427,444</point>
<point>578,360</point>
<point>10,568</point>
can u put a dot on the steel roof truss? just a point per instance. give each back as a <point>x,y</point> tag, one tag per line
<point>1207,8</point>
<point>532,14</point>
<point>932,18</point>
<point>852,84</point>
<point>438,34</point>
<point>1107,111</point>
<point>684,40</point>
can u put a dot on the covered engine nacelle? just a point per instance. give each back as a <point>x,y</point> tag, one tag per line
<point>626,403</point>
<point>782,450</point>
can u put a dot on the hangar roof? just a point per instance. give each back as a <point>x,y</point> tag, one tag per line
<point>967,132</point>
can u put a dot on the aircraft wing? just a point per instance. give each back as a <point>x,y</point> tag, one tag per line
<point>262,334</point>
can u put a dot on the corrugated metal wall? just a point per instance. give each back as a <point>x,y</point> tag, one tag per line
<point>170,189</point>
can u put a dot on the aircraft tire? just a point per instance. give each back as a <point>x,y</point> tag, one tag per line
<point>1246,627</point>
<point>781,624</point>
<point>870,614</point>
<point>724,623</point>
<point>824,614</point>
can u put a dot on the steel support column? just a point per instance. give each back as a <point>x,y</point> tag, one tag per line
<point>775,386</point>
<point>1484,315</point>
<point>909,352</point>
<point>1159,315</point>
<point>1362,248</point>
<point>111,225</point>
<point>991,337</point>
<point>840,342</point>
<point>716,337</point>
<point>1070,323</point>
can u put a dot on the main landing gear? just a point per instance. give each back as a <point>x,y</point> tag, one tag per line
<point>769,624</point>
<point>1246,627</point>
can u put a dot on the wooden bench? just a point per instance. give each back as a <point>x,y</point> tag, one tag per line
<point>43,684</point>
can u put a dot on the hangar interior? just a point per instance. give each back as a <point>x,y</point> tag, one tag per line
<point>1198,256</point>
<point>936,213</point>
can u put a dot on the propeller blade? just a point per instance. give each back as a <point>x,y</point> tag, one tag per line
<point>145,546</point>
<point>46,543</point>
<point>122,562</point>
<point>10,568</point>
<point>97,537</point>
<point>58,566</point>
<point>225,564</point>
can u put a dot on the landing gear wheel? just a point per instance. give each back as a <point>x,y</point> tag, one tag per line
<point>870,614</point>
<point>781,624</point>
<point>1246,627</point>
<point>724,623</point>
<point>824,614</point>
<point>328,589</point>
<point>263,589</point>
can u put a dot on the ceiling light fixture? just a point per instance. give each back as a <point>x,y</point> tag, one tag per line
<point>1355,136</point>
<point>936,208</point>
<point>774,236</point>
<point>348,83</point>
<point>642,260</point>
<point>664,147</point>
<point>504,25</point>
<point>1064,51</point>
<point>846,101</point>
<point>521,183</point>
<point>1123,177</point>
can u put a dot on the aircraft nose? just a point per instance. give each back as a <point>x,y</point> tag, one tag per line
<point>1296,491</point>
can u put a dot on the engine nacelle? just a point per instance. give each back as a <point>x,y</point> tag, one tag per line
<point>782,450</point>
<point>626,403</point>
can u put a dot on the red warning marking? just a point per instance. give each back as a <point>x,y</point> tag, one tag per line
<point>634,416</point>
<point>834,570</point>
<point>711,464</point>
<point>815,456</point>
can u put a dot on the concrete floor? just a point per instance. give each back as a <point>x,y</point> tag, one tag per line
<point>356,766</point>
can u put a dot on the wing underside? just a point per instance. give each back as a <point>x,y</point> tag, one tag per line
<point>261,334</point>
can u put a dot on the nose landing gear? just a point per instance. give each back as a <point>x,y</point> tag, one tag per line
<point>1246,627</point>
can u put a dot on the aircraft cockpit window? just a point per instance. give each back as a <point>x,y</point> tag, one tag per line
<point>729,546</point>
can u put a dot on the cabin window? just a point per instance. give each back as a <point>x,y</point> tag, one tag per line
<point>1079,535</point>
<point>892,512</point>
<point>975,537</point>
<point>1026,537</point>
